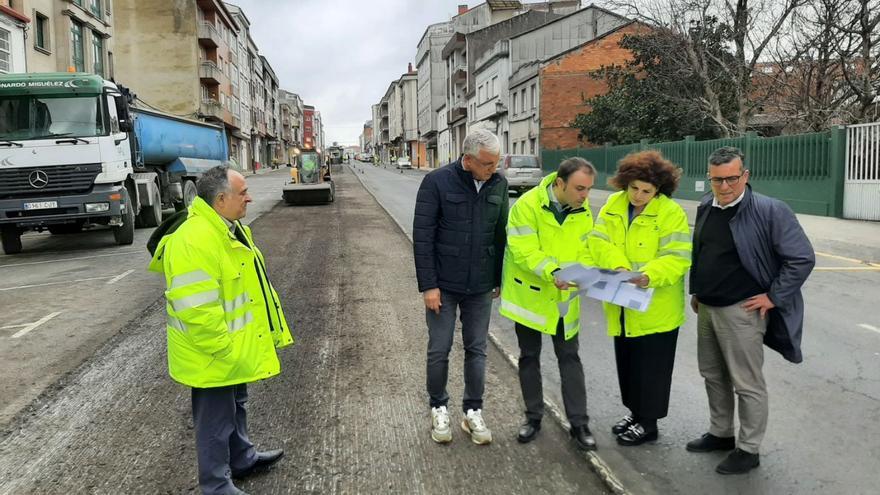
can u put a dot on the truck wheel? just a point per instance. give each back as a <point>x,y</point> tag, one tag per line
<point>189,194</point>
<point>151,216</point>
<point>11,238</point>
<point>124,234</point>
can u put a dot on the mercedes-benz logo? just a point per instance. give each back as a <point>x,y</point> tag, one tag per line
<point>38,179</point>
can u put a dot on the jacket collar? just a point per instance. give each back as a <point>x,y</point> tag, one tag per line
<point>468,177</point>
<point>618,204</point>
<point>544,198</point>
<point>200,208</point>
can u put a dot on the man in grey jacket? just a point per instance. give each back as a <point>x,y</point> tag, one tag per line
<point>750,259</point>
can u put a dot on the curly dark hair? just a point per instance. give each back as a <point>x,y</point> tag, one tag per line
<point>647,166</point>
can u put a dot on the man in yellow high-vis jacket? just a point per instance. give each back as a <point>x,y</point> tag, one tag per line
<point>547,230</point>
<point>224,324</point>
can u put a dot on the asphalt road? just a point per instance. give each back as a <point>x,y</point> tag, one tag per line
<point>65,295</point>
<point>349,406</point>
<point>824,413</point>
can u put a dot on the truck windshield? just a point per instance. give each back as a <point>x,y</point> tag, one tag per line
<point>37,117</point>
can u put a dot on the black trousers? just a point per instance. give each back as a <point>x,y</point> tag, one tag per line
<point>571,374</point>
<point>644,372</point>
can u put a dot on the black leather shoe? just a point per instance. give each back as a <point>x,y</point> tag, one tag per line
<point>739,462</point>
<point>636,435</point>
<point>709,442</point>
<point>264,460</point>
<point>528,431</point>
<point>583,438</point>
<point>623,425</point>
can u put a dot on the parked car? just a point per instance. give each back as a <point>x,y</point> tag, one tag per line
<point>523,172</point>
<point>367,157</point>
<point>404,163</point>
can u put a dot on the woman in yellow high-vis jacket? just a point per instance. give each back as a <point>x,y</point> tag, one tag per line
<point>641,229</point>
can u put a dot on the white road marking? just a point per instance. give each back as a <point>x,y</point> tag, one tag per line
<point>119,277</point>
<point>120,253</point>
<point>869,327</point>
<point>34,325</point>
<point>53,283</point>
<point>14,326</point>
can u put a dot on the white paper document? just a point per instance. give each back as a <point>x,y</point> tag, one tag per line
<point>608,285</point>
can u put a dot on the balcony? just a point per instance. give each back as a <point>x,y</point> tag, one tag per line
<point>211,108</point>
<point>209,73</point>
<point>459,74</point>
<point>457,112</point>
<point>208,35</point>
<point>235,90</point>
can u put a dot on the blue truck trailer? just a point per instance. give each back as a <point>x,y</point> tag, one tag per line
<point>77,150</point>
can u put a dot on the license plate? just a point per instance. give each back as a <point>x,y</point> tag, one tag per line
<point>41,205</point>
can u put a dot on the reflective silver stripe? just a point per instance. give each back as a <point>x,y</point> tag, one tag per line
<point>523,313</point>
<point>521,230</point>
<point>174,323</point>
<point>195,300</point>
<point>189,278</point>
<point>571,326</point>
<point>675,237</point>
<point>600,235</point>
<point>240,322</point>
<point>231,306</point>
<point>637,266</point>
<point>585,237</point>
<point>600,221</point>
<point>675,252</point>
<point>540,268</point>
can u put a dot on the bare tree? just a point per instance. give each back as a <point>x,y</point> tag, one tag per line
<point>860,54</point>
<point>754,28</point>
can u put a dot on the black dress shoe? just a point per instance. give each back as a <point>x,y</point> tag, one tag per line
<point>636,435</point>
<point>738,462</point>
<point>709,442</point>
<point>264,460</point>
<point>622,425</point>
<point>583,438</point>
<point>528,431</point>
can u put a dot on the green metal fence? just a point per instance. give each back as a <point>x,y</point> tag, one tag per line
<point>804,170</point>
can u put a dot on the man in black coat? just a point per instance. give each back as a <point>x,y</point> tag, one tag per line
<point>458,242</point>
<point>750,259</point>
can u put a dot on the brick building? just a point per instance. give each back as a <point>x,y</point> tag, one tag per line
<point>565,83</point>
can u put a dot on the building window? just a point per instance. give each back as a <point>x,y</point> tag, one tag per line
<point>513,105</point>
<point>76,49</point>
<point>95,8</point>
<point>514,148</point>
<point>534,103</point>
<point>494,82</point>
<point>98,53</point>
<point>5,52</point>
<point>532,143</point>
<point>523,100</point>
<point>41,28</point>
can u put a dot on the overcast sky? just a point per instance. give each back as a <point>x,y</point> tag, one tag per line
<point>340,55</point>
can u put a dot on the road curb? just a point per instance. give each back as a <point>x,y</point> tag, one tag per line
<point>597,464</point>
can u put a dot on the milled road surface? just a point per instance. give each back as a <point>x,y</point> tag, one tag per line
<point>349,407</point>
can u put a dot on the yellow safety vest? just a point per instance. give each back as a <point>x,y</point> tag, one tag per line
<point>658,244</point>
<point>536,246</point>
<point>224,317</point>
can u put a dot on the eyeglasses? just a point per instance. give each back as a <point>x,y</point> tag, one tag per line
<point>731,181</point>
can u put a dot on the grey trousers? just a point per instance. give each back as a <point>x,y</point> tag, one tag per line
<point>476,309</point>
<point>571,374</point>
<point>222,443</point>
<point>730,353</point>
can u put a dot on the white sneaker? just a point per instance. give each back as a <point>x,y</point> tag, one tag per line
<point>474,425</point>
<point>440,431</point>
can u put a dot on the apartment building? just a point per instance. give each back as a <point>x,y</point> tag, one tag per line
<point>182,57</point>
<point>291,108</point>
<point>68,35</point>
<point>241,152</point>
<point>528,50</point>
<point>13,24</point>
<point>366,137</point>
<point>273,148</point>
<point>431,86</point>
